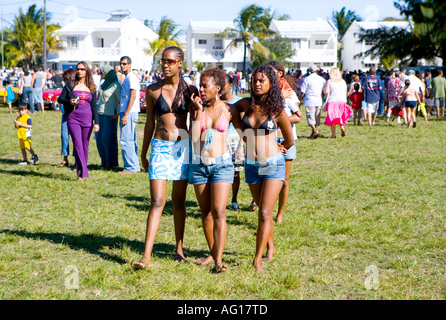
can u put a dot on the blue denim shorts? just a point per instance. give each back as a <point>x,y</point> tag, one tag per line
<point>291,153</point>
<point>411,104</point>
<point>271,169</point>
<point>201,172</point>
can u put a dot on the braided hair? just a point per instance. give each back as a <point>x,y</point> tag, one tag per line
<point>183,87</point>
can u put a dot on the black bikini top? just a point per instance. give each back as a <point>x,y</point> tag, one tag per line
<point>161,106</point>
<point>268,125</point>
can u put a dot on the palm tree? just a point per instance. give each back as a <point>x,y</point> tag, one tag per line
<point>24,40</point>
<point>251,25</point>
<point>167,36</point>
<point>343,20</point>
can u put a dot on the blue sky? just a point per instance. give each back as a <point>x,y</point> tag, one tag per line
<point>184,11</point>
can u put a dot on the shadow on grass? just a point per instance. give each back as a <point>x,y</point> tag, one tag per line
<point>28,172</point>
<point>95,244</point>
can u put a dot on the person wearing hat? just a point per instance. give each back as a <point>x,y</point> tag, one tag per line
<point>23,124</point>
<point>311,94</point>
<point>108,114</point>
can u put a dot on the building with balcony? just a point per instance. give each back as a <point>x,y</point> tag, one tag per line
<point>203,45</point>
<point>314,42</point>
<point>104,42</point>
<point>352,48</point>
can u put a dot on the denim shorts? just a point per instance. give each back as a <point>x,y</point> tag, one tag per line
<point>291,153</point>
<point>439,102</point>
<point>221,171</point>
<point>411,104</point>
<point>271,169</point>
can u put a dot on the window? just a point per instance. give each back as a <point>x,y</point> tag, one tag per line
<point>295,43</point>
<point>321,42</point>
<point>100,42</point>
<point>218,44</point>
<point>72,42</point>
<point>202,41</point>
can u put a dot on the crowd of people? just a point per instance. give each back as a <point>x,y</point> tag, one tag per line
<point>204,134</point>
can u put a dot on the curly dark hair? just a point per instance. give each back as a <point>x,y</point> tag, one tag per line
<point>217,74</point>
<point>272,104</point>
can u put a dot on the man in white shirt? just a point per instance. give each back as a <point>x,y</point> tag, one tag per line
<point>129,112</point>
<point>311,93</point>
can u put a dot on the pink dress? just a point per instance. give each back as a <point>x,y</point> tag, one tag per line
<point>338,111</point>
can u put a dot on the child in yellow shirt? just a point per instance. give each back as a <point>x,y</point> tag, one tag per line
<point>23,124</point>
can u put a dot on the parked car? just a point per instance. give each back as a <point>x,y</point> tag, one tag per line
<point>50,96</point>
<point>15,87</point>
<point>142,96</point>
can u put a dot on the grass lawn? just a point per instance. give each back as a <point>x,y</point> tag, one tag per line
<point>365,220</point>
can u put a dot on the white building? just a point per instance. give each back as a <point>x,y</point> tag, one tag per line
<point>314,42</point>
<point>204,46</point>
<point>351,46</point>
<point>104,42</point>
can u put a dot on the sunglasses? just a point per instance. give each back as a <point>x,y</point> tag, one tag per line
<point>80,69</point>
<point>169,62</point>
<point>124,63</point>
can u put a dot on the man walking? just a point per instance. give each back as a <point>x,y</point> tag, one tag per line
<point>311,93</point>
<point>371,86</point>
<point>129,112</point>
<point>439,89</point>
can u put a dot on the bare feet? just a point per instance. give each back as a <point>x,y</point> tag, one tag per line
<point>279,219</point>
<point>206,261</point>
<point>269,254</point>
<point>219,268</point>
<point>258,267</point>
<point>142,264</point>
<point>179,258</point>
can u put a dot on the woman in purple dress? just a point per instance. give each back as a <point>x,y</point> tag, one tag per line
<point>82,115</point>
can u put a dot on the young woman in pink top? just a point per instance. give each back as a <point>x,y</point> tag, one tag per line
<point>410,97</point>
<point>212,171</point>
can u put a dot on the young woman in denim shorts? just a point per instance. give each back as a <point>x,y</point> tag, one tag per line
<point>212,171</point>
<point>262,114</point>
<point>166,132</point>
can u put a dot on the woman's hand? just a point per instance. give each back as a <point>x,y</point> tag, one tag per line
<point>282,148</point>
<point>145,163</point>
<point>196,100</point>
<point>96,128</point>
<point>74,102</point>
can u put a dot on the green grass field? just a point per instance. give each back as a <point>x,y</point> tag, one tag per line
<point>365,220</point>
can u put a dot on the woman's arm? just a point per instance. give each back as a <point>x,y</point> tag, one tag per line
<point>149,128</point>
<point>94,108</point>
<point>195,118</point>
<point>287,132</point>
<point>327,87</point>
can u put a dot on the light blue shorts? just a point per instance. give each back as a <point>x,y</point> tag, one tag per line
<point>169,160</point>
<point>211,170</point>
<point>291,153</point>
<point>272,168</point>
